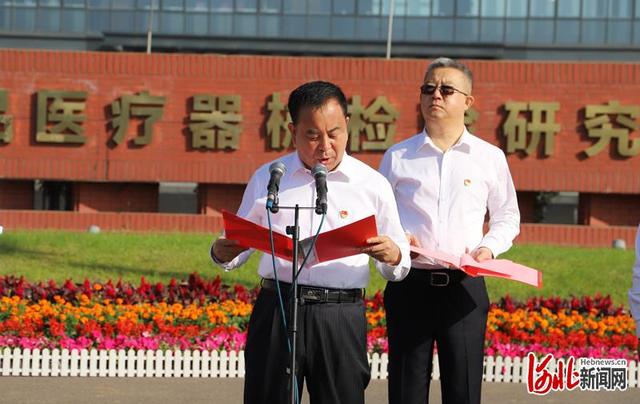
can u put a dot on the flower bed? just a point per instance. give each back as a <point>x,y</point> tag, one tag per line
<point>207,315</point>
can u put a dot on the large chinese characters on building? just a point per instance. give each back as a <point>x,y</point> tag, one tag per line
<point>213,119</point>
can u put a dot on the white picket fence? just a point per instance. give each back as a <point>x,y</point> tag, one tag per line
<point>495,369</point>
<point>205,364</point>
<point>121,363</point>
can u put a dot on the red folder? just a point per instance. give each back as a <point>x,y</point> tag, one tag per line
<point>343,241</point>
<point>504,269</point>
<point>337,243</point>
<point>251,235</point>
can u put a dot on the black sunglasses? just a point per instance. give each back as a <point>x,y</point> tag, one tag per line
<point>445,90</point>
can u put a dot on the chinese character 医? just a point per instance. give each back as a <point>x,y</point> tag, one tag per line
<point>63,110</point>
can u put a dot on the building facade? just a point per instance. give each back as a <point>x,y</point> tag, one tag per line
<point>92,131</point>
<point>109,138</point>
<point>487,29</point>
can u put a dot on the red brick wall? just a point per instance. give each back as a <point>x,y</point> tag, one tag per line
<point>109,221</point>
<point>115,197</point>
<point>574,235</point>
<point>108,76</point>
<point>611,209</point>
<point>214,198</point>
<point>610,180</point>
<point>16,194</point>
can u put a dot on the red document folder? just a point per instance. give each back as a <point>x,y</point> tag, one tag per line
<point>496,268</point>
<point>343,241</point>
<point>251,235</point>
<point>337,243</point>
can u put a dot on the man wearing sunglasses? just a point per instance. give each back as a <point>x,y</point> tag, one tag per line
<point>445,180</point>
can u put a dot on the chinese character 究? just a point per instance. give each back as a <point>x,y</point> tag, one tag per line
<point>599,126</point>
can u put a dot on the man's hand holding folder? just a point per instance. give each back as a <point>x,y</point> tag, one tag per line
<point>250,235</point>
<point>355,238</point>
<point>225,250</point>
<point>497,268</point>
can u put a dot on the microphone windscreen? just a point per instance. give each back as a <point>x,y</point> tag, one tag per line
<point>278,166</point>
<point>319,170</point>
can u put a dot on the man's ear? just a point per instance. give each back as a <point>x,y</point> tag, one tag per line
<point>469,101</point>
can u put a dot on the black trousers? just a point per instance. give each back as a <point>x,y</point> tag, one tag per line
<point>453,316</point>
<point>331,352</point>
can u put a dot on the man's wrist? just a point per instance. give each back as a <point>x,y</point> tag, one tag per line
<point>398,258</point>
<point>488,249</point>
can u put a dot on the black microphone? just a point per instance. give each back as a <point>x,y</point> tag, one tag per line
<point>276,171</point>
<point>320,174</point>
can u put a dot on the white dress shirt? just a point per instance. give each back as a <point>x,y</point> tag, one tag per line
<point>355,191</point>
<point>634,292</point>
<point>443,196</point>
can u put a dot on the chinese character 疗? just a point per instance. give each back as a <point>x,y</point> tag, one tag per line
<point>542,123</point>
<point>139,105</point>
<point>62,109</point>
<point>278,122</point>
<point>599,126</point>
<point>6,133</point>
<point>214,122</point>
<point>377,121</point>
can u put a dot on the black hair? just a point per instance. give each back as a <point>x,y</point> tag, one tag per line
<point>315,94</point>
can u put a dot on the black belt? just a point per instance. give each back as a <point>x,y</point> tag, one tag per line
<point>436,277</point>
<point>315,294</point>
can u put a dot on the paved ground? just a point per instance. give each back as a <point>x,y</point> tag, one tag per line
<point>70,390</point>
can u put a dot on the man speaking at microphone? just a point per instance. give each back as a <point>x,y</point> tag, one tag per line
<point>332,331</point>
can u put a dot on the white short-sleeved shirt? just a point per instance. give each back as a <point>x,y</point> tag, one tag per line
<point>355,191</point>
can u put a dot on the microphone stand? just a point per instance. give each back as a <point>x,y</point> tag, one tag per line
<point>294,231</point>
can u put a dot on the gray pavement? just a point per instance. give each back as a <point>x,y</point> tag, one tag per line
<point>94,390</point>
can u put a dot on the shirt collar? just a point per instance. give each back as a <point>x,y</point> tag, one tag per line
<point>343,172</point>
<point>463,144</point>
